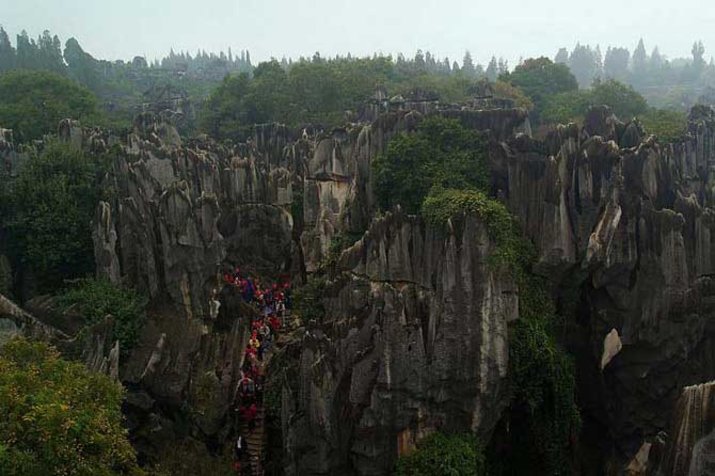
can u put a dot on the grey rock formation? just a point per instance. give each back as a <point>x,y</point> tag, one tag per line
<point>416,334</point>
<point>691,449</point>
<point>628,225</point>
<point>414,340</point>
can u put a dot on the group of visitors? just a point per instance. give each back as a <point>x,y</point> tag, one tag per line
<point>271,304</point>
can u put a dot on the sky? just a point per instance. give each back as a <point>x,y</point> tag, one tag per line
<point>122,29</point>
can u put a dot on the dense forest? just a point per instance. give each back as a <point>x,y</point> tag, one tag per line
<point>438,171</point>
<point>223,94</point>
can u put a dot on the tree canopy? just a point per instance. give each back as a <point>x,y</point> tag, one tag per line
<point>541,78</point>
<point>32,103</point>
<point>58,418</point>
<point>49,207</point>
<point>441,152</point>
<point>572,106</point>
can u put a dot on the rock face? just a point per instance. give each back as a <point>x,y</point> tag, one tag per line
<point>182,211</point>
<point>414,340</point>
<point>691,450</point>
<point>628,226</point>
<point>415,337</point>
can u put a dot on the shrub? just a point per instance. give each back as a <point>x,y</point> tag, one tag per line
<point>454,455</point>
<point>441,152</point>
<point>308,299</point>
<point>49,213</point>
<point>667,126</point>
<point>94,299</point>
<point>58,418</point>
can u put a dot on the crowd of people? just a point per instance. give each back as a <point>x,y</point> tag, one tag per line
<point>272,304</point>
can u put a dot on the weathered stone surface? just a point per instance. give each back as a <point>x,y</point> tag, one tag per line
<point>414,340</point>
<point>636,218</point>
<point>691,449</point>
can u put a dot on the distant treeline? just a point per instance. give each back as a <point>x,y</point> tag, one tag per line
<point>674,84</point>
<point>223,94</point>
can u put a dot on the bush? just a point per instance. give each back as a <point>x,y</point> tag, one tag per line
<point>442,205</point>
<point>50,208</point>
<point>625,102</point>
<point>94,299</point>
<point>308,299</point>
<point>439,454</point>
<point>667,126</point>
<point>34,102</point>
<point>441,152</point>
<point>57,418</point>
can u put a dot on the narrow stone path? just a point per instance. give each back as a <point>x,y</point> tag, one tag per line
<point>257,438</point>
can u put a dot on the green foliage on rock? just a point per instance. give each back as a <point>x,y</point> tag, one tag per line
<point>50,208</point>
<point>33,102</point>
<point>95,299</point>
<point>58,418</point>
<point>625,102</point>
<point>454,455</point>
<point>442,205</point>
<point>666,125</point>
<point>308,299</point>
<point>441,152</point>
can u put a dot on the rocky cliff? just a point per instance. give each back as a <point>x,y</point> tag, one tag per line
<point>415,334</point>
<point>414,340</point>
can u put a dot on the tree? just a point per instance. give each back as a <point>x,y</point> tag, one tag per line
<point>572,106</point>
<point>455,455</point>
<point>33,102</point>
<point>441,152</point>
<point>94,299</point>
<point>52,203</point>
<point>640,60</point>
<point>468,65</point>
<point>492,69</point>
<point>541,78</point>
<point>562,57</point>
<point>7,52</point>
<point>58,418</point>
<point>625,101</point>
<point>583,65</point>
<point>615,65</point>
<point>666,125</point>
<point>226,113</point>
<point>698,52</point>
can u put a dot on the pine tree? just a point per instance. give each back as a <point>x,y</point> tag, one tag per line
<point>468,64</point>
<point>492,69</point>
<point>562,57</point>
<point>7,52</point>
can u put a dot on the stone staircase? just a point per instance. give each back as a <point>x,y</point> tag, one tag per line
<point>256,440</point>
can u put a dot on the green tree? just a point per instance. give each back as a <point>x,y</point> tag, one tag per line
<point>440,454</point>
<point>541,78</point>
<point>33,102</point>
<point>226,113</point>
<point>666,125</point>
<point>625,101</point>
<point>441,152</point>
<point>52,203</point>
<point>94,299</point>
<point>7,52</point>
<point>615,65</point>
<point>57,418</point>
<point>572,106</point>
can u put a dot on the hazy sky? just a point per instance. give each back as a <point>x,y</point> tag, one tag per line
<point>121,29</point>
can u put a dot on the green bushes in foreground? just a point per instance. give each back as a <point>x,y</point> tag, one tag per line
<point>58,418</point>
